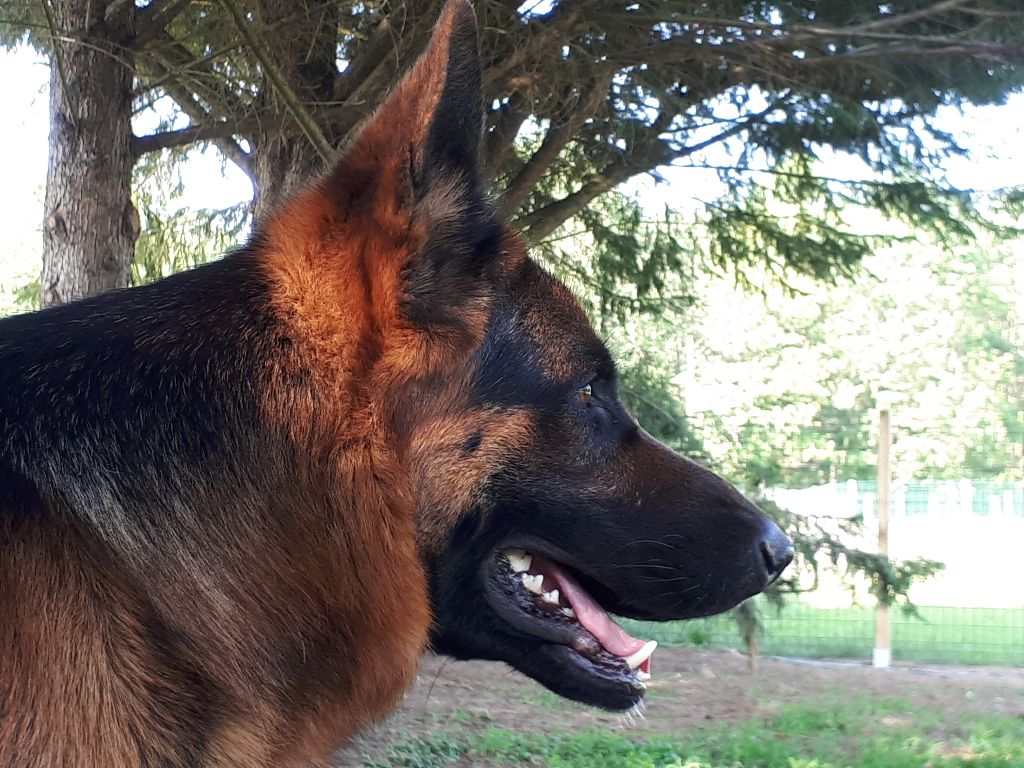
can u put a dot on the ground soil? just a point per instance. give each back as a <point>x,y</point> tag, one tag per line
<point>690,688</point>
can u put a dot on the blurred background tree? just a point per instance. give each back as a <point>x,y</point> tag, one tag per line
<point>583,95</point>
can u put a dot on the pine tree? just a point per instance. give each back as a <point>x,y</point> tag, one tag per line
<point>583,94</point>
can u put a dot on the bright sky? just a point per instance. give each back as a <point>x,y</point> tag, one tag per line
<point>24,79</point>
<point>994,134</point>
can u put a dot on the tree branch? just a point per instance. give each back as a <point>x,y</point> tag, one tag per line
<point>564,16</point>
<point>206,127</point>
<point>292,103</point>
<point>200,117</point>
<point>58,59</point>
<point>501,138</point>
<point>369,56</point>
<point>154,142</point>
<point>1004,52</point>
<point>172,60</point>
<point>538,224</point>
<point>899,19</point>
<point>556,139</point>
<point>153,19</point>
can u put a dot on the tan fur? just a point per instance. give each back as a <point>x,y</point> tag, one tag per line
<point>73,662</point>
<point>449,479</point>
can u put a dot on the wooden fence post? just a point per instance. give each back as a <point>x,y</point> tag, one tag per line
<point>882,655</point>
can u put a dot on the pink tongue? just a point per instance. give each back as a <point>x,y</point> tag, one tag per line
<point>592,616</point>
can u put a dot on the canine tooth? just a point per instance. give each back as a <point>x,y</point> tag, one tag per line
<point>518,559</point>
<point>550,597</point>
<point>533,582</point>
<point>567,611</point>
<point>642,676</point>
<point>642,655</point>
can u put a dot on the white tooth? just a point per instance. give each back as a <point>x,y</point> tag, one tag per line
<point>642,655</point>
<point>518,559</point>
<point>551,597</point>
<point>642,676</point>
<point>533,582</point>
<point>567,611</point>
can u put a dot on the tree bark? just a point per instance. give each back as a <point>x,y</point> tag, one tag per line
<point>90,225</point>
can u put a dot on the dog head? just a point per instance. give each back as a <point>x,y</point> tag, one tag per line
<point>541,505</point>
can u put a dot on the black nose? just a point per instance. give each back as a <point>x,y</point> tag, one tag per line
<point>776,549</point>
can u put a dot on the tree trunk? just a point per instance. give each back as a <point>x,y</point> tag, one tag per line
<point>91,226</point>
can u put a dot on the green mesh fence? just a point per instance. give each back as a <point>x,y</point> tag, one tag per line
<point>938,635</point>
<point>955,498</point>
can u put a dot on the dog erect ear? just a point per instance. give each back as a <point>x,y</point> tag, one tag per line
<point>414,170</point>
<point>416,163</point>
<point>452,149</point>
<point>433,120</point>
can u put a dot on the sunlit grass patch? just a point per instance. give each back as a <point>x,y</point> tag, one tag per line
<point>863,733</point>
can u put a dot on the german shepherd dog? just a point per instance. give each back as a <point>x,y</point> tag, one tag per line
<point>237,504</point>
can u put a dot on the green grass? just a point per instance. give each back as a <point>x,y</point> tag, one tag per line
<point>859,734</point>
<point>939,636</point>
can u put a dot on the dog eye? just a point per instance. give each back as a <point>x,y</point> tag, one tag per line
<point>585,393</point>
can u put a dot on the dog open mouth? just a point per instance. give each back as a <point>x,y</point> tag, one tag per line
<point>542,598</point>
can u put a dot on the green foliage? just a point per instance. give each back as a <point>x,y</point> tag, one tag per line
<point>26,297</point>
<point>21,22</point>
<point>751,627</point>
<point>624,264</point>
<point>890,579</point>
<point>858,733</point>
<point>434,752</point>
<point>764,94</point>
<point>819,544</point>
<point>173,237</point>
<point>794,226</point>
<point>933,332</point>
<point>816,546</point>
<point>832,443</point>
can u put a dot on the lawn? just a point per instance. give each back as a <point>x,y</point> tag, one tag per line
<point>857,733</point>
<point>706,709</point>
<point>938,635</point>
